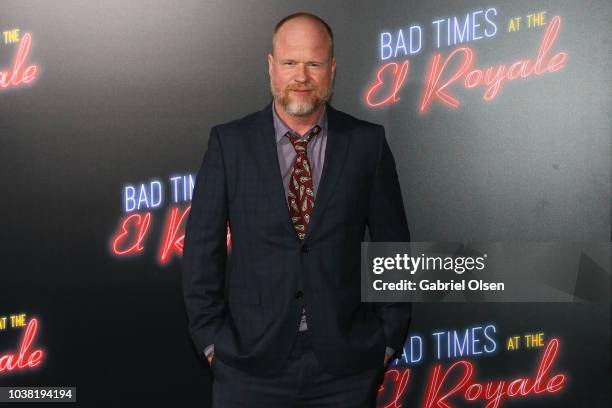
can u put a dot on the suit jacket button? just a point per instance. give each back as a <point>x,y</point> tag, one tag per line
<point>298,294</point>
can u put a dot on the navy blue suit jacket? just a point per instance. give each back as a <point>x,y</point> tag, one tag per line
<point>246,302</point>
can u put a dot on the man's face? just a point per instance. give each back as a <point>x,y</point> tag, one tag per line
<point>301,67</point>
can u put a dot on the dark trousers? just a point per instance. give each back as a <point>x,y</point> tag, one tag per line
<point>301,383</point>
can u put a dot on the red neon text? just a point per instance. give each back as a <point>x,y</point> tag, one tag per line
<point>398,74</point>
<point>133,230</point>
<point>493,392</point>
<point>395,389</point>
<point>493,78</point>
<point>24,358</point>
<point>138,223</point>
<point>17,74</point>
<point>170,242</point>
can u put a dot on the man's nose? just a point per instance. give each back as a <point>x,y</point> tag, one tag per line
<point>301,73</point>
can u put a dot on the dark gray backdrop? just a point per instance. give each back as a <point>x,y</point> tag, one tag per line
<point>128,92</point>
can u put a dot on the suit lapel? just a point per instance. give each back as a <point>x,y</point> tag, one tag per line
<point>266,157</point>
<point>335,156</point>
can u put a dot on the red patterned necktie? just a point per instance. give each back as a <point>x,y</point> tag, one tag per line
<point>301,191</point>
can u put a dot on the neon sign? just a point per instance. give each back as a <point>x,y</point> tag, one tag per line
<point>492,392</point>
<point>133,229</point>
<point>450,387</point>
<point>493,78</point>
<point>19,73</point>
<point>458,68</point>
<point>25,357</point>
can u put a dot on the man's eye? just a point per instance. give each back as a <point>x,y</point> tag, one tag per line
<point>289,63</point>
<point>314,65</point>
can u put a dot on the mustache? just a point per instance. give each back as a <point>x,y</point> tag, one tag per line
<point>297,88</point>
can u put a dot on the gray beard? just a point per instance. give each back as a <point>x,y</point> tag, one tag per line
<point>300,109</point>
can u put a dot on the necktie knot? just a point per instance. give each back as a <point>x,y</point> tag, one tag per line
<point>300,143</point>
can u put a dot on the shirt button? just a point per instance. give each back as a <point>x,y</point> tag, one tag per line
<point>298,294</point>
<point>305,249</point>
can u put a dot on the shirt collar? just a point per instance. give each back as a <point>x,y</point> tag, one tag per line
<point>281,128</point>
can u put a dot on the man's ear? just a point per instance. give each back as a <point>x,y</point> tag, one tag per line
<point>333,65</point>
<point>270,64</point>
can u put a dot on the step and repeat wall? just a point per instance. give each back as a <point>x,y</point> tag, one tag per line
<point>497,113</point>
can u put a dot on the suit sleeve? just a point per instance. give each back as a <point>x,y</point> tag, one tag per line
<point>387,223</point>
<point>205,249</point>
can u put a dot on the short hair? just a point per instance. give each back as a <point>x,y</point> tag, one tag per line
<point>308,16</point>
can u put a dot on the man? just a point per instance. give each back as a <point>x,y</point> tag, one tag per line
<point>281,321</point>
